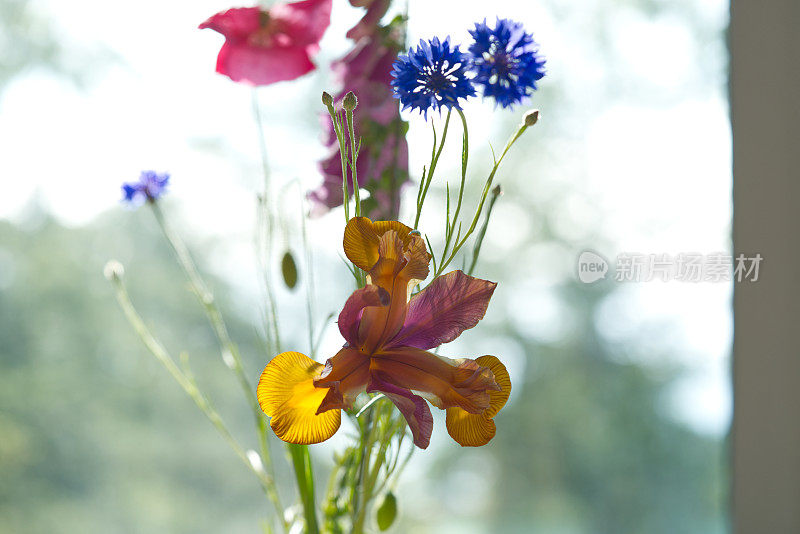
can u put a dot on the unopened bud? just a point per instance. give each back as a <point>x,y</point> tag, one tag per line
<point>350,101</point>
<point>497,190</point>
<point>113,270</point>
<point>327,99</point>
<point>228,359</point>
<point>531,117</point>
<point>255,461</point>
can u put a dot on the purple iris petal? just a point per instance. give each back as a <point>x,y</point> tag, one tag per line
<point>438,314</point>
<point>413,407</point>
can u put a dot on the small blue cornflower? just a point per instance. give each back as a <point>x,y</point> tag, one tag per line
<point>432,76</point>
<point>149,188</point>
<point>506,61</point>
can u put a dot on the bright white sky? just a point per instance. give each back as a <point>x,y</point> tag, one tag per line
<point>162,106</point>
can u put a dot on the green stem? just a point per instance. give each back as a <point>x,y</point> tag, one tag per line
<point>354,150</point>
<point>309,281</point>
<point>486,188</point>
<point>301,460</point>
<point>425,182</point>
<point>450,226</point>
<point>383,431</point>
<point>482,232</point>
<point>266,227</point>
<point>228,346</point>
<point>300,457</point>
<point>188,384</point>
<point>338,129</point>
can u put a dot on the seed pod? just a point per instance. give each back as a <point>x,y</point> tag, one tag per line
<point>387,511</point>
<point>289,270</point>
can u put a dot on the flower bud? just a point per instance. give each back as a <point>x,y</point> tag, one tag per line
<point>531,117</point>
<point>228,359</point>
<point>255,461</point>
<point>350,101</point>
<point>113,270</point>
<point>497,191</point>
<point>327,99</point>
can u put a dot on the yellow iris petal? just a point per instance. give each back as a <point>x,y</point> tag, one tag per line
<point>474,430</point>
<point>497,399</point>
<point>362,237</point>
<point>469,429</point>
<point>287,394</point>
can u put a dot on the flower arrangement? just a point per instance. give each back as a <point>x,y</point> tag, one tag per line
<point>405,302</point>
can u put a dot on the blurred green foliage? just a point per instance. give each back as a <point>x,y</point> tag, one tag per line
<point>94,435</point>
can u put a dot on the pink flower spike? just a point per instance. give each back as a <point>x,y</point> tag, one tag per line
<point>267,46</point>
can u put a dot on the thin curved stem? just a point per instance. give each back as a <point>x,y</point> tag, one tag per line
<point>228,346</point>
<point>188,384</point>
<point>425,182</point>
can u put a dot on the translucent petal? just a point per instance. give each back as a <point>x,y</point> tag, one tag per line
<point>287,394</point>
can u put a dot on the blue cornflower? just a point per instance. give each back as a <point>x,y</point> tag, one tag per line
<point>149,188</point>
<point>506,61</point>
<point>432,76</point>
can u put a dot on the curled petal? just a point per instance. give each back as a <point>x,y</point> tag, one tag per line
<point>474,430</point>
<point>442,311</point>
<point>346,376</point>
<point>497,398</point>
<point>417,261</point>
<point>390,260</point>
<point>444,382</point>
<point>350,316</point>
<point>287,394</point>
<point>362,238</point>
<point>413,407</point>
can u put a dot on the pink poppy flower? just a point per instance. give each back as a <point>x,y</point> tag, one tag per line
<point>267,46</point>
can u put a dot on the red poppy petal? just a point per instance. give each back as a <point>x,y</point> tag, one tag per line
<point>236,23</point>
<point>304,22</point>
<point>262,66</point>
<point>438,314</point>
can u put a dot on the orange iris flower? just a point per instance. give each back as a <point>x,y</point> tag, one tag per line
<point>388,334</point>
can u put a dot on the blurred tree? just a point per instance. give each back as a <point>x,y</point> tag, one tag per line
<point>29,40</point>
